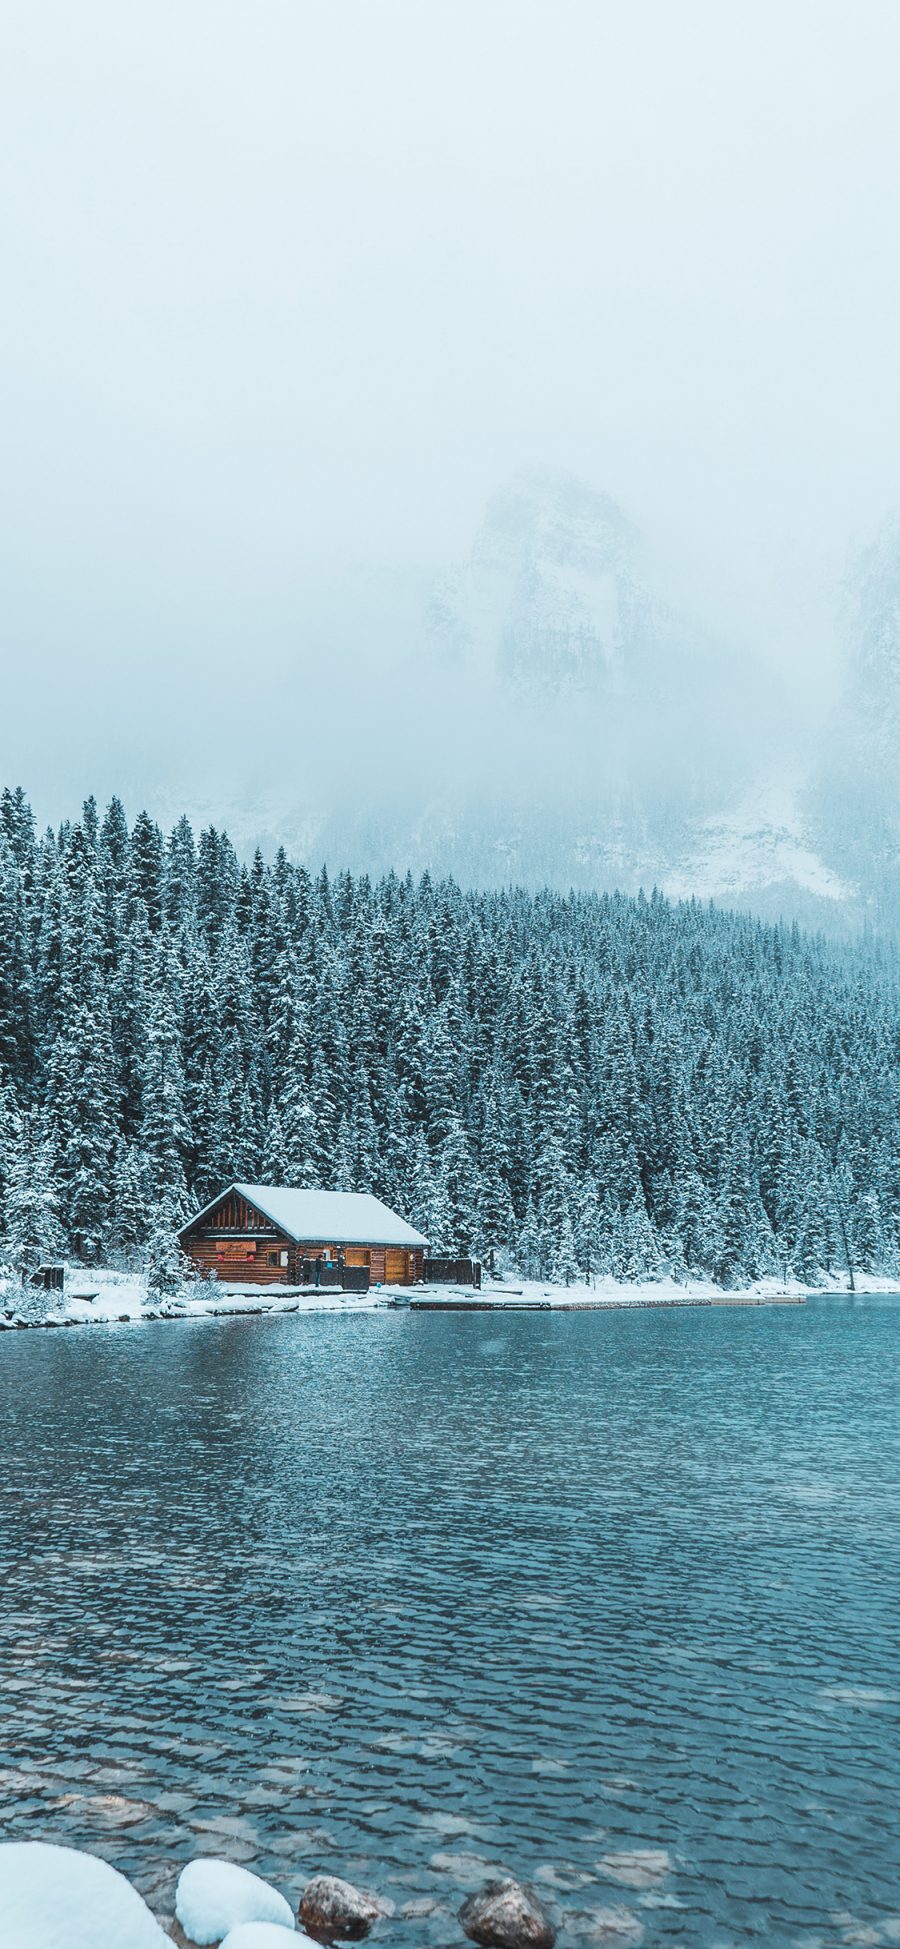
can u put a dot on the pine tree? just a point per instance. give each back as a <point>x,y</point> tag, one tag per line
<point>164,1130</point>
<point>146,870</point>
<point>131,1198</point>
<point>274,1166</point>
<point>10,1138</point>
<point>16,981</point>
<point>456,1178</point>
<point>165,1265</point>
<point>658,1084</point>
<point>32,1234</point>
<point>564,1258</point>
<point>297,1110</point>
<point>81,1117</point>
<point>532,1245</point>
<point>591,1232</point>
<point>556,1206</point>
<point>638,1250</point>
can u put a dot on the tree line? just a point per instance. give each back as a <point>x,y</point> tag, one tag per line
<point>564,1085</point>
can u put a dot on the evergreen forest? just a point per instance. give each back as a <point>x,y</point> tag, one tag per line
<point>564,1086</point>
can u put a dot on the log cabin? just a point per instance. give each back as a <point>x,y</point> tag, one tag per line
<point>270,1234</point>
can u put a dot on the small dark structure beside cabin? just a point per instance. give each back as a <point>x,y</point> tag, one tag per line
<point>453,1272</point>
<point>265,1235</point>
<point>49,1278</point>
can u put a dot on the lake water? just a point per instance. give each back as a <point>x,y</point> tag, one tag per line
<point>609,1601</point>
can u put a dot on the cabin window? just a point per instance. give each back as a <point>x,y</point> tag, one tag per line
<point>273,1258</point>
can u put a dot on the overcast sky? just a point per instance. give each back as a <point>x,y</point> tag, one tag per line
<point>303,280</point>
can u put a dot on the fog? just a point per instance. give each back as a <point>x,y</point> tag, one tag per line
<point>292,288</point>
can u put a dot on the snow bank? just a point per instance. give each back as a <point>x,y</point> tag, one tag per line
<point>214,1897</point>
<point>222,1298</point>
<point>113,1295</point>
<point>617,1292</point>
<point>57,1898</point>
<point>659,1292</point>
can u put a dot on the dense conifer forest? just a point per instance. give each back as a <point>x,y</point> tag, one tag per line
<point>577,1085</point>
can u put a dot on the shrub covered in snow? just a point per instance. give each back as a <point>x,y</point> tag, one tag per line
<point>29,1302</point>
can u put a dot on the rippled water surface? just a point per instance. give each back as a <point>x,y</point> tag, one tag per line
<point>610,1601</point>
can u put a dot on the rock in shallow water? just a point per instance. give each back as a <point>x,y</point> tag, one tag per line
<point>507,1915</point>
<point>637,1867</point>
<point>263,1935</point>
<point>334,1911</point>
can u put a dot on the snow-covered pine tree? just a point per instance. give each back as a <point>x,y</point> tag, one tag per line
<point>531,1253</point>
<point>10,1135</point>
<point>459,1181</point>
<point>80,1109</point>
<point>273,1166</point>
<point>32,1234</point>
<point>638,1248</point>
<point>164,1130</point>
<point>592,1229</point>
<point>132,1201</point>
<point>617,1063</point>
<point>166,1268</point>
<point>564,1257</point>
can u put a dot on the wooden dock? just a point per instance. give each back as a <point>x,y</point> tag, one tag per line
<point>485,1302</point>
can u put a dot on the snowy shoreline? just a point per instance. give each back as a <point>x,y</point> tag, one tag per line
<point>58,1897</point>
<point>122,1299</point>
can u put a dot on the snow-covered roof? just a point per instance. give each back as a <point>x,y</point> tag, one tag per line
<point>324,1217</point>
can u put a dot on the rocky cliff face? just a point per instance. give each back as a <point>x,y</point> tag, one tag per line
<point>550,598</point>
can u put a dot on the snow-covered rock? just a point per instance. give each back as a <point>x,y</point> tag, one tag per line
<point>215,1896</point>
<point>333,1910</point>
<point>57,1898</point>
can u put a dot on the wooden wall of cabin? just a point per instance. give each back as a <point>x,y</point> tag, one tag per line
<point>388,1265</point>
<point>234,1215</point>
<point>245,1261</point>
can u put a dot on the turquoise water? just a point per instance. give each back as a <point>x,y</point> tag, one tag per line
<point>611,1601</point>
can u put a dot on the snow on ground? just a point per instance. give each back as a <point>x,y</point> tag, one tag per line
<point>659,1292</point>
<point>221,1298</point>
<point>760,843</point>
<point>615,1292</point>
<point>215,1896</point>
<point>100,1296</point>
<point>57,1898</point>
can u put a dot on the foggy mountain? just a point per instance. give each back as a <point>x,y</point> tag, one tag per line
<point>562,720</point>
<point>554,715</point>
<point>552,708</point>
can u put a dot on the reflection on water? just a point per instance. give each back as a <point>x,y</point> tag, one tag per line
<point>611,1601</point>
